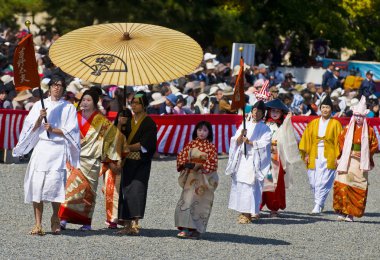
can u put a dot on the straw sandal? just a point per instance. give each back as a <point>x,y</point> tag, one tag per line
<point>37,230</point>
<point>131,228</point>
<point>55,226</point>
<point>135,228</point>
<point>243,219</point>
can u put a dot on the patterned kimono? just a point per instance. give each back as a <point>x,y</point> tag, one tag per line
<point>284,153</point>
<point>99,143</point>
<point>351,187</point>
<point>194,206</point>
<point>274,187</point>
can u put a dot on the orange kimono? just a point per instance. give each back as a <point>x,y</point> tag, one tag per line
<point>351,187</point>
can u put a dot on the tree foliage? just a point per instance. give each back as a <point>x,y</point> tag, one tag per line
<point>345,23</point>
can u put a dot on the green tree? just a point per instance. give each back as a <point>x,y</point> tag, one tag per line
<point>346,23</point>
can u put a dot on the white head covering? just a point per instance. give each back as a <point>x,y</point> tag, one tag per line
<point>359,109</point>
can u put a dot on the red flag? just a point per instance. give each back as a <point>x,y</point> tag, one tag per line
<point>238,99</point>
<point>25,65</point>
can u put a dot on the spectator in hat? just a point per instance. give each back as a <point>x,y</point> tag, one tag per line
<point>308,107</point>
<point>273,92</point>
<point>35,97</point>
<point>311,87</point>
<point>179,107</point>
<point>287,99</point>
<point>216,94</point>
<point>167,108</point>
<point>328,74</point>
<point>209,57</point>
<point>201,106</point>
<point>199,74</point>
<point>224,102</point>
<point>335,81</point>
<point>288,82</point>
<point>263,72</point>
<point>21,99</point>
<point>154,106</point>
<point>367,88</point>
<point>165,89</point>
<point>211,75</point>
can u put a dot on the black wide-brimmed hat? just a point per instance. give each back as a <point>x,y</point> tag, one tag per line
<point>277,104</point>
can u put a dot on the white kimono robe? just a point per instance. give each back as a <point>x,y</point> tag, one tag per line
<point>45,177</point>
<point>248,172</point>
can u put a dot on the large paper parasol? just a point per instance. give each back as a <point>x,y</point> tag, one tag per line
<point>126,54</point>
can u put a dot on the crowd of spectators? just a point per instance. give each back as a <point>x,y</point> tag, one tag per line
<point>206,90</point>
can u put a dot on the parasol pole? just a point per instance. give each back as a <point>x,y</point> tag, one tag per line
<point>27,24</point>
<point>244,127</point>
<point>124,99</point>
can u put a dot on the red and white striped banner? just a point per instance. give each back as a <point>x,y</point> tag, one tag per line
<point>11,122</point>
<point>174,131</point>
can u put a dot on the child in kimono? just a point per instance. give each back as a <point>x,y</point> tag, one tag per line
<point>197,164</point>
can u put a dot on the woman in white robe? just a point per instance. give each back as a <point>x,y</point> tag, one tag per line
<point>248,171</point>
<point>55,143</point>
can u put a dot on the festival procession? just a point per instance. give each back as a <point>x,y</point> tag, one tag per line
<point>92,113</point>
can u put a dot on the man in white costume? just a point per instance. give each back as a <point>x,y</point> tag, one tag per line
<point>45,177</point>
<point>248,171</point>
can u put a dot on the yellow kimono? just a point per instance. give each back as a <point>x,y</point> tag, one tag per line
<point>101,141</point>
<point>310,139</point>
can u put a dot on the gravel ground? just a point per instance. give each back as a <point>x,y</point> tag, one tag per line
<point>295,235</point>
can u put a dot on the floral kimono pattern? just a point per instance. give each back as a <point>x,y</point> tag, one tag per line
<point>194,206</point>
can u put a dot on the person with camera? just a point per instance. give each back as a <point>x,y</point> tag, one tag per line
<point>197,164</point>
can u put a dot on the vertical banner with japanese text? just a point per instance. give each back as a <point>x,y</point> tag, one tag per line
<point>25,65</point>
